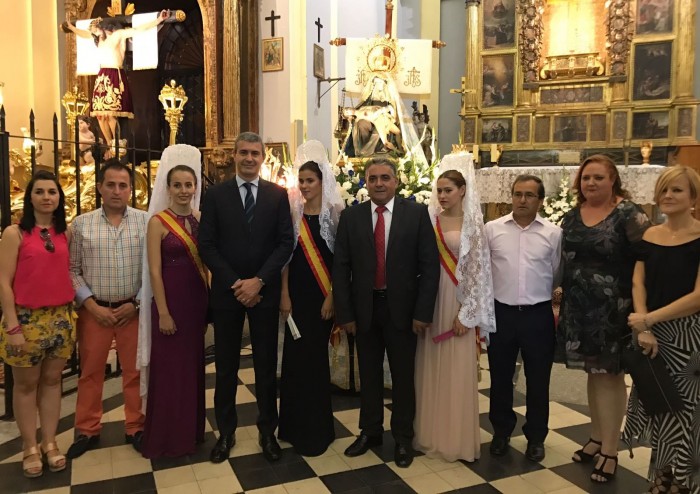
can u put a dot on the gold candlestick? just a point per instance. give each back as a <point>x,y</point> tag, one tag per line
<point>173,100</point>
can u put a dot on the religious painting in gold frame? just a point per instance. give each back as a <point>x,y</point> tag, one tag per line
<point>654,17</point>
<point>652,71</point>
<point>272,54</point>
<point>496,130</point>
<point>319,62</point>
<point>497,80</point>
<point>570,128</point>
<point>279,150</point>
<point>499,24</point>
<point>650,125</point>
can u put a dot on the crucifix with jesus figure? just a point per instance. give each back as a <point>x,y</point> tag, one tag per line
<point>382,70</point>
<point>101,47</point>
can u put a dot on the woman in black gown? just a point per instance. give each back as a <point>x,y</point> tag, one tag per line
<point>306,416</point>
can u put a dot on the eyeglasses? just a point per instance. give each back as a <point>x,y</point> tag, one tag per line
<point>527,195</point>
<point>46,237</point>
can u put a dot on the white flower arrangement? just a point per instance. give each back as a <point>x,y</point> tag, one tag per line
<point>415,180</point>
<point>555,207</point>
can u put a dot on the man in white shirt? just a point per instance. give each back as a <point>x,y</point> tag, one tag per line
<point>525,255</point>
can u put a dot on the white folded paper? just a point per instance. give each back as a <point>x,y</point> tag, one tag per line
<point>293,328</point>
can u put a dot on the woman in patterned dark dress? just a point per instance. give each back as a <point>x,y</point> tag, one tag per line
<point>598,262</point>
<point>666,323</point>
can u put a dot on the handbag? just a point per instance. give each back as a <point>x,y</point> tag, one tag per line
<point>651,378</point>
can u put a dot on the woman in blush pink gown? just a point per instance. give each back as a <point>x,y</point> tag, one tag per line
<point>447,366</point>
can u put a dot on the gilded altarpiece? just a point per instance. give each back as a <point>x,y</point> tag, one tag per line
<point>558,74</point>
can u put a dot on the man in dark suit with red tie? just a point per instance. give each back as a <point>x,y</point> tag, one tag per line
<point>385,279</point>
<point>245,238</point>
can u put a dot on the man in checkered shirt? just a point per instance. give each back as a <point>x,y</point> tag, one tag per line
<point>106,253</point>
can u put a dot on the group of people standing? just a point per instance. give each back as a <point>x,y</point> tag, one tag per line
<point>425,286</point>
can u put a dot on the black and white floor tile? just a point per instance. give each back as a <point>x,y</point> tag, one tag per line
<point>115,468</point>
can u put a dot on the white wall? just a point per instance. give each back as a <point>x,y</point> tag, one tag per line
<point>29,67</point>
<point>275,100</point>
<point>320,121</point>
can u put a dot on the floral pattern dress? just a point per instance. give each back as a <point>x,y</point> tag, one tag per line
<point>598,263</point>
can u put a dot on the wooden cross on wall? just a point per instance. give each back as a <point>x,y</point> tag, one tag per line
<point>272,18</point>
<point>319,26</point>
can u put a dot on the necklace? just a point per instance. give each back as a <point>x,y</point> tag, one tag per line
<point>180,215</point>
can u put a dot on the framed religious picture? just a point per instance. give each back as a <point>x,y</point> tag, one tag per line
<point>272,54</point>
<point>652,71</point>
<point>650,125</point>
<point>319,63</point>
<point>654,16</point>
<point>496,130</point>
<point>497,80</point>
<point>570,128</point>
<point>499,24</point>
<point>278,150</point>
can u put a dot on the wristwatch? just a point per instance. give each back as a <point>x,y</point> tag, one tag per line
<point>262,283</point>
<point>137,304</point>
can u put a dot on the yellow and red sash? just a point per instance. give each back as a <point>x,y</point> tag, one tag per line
<point>449,262</point>
<point>318,268</point>
<point>169,221</point>
<point>313,257</point>
<point>447,257</point>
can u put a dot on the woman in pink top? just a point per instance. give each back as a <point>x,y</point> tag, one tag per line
<point>37,334</point>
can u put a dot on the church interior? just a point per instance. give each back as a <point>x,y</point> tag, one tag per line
<point>525,86</point>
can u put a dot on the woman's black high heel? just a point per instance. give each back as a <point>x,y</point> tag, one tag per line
<point>599,471</point>
<point>587,457</point>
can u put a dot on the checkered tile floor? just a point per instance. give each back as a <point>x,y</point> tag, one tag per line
<point>117,468</point>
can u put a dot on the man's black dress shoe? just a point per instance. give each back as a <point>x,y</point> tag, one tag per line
<point>222,448</point>
<point>362,444</point>
<point>535,451</point>
<point>499,445</point>
<point>134,440</point>
<point>270,448</point>
<point>403,456</point>
<point>82,444</point>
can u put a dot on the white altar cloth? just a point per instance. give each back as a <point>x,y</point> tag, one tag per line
<point>494,183</point>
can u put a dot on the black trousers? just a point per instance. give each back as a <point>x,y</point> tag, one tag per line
<point>530,331</point>
<point>400,346</point>
<point>228,331</point>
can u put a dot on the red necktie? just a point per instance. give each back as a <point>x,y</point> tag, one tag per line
<point>379,250</point>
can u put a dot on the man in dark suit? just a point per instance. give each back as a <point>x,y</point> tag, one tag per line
<point>245,238</point>
<point>385,280</point>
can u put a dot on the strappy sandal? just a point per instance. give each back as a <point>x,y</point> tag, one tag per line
<point>608,476</point>
<point>56,462</point>
<point>32,469</point>
<point>584,457</point>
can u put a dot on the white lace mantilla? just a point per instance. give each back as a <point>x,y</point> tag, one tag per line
<point>494,184</point>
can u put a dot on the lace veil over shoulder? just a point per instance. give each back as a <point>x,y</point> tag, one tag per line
<point>331,203</point>
<point>475,282</point>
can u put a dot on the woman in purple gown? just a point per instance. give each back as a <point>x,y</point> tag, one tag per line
<point>175,405</point>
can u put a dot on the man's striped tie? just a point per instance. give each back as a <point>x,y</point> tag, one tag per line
<point>249,205</point>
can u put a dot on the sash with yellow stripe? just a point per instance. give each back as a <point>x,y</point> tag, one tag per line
<point>447,257</point>
<point>170,222</point>
<point>318,268</point>
<point>449,262</point>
